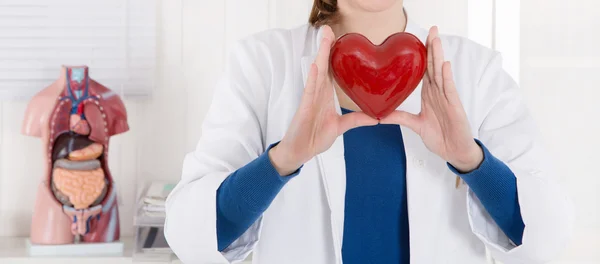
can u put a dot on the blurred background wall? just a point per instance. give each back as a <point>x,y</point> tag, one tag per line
<point>560,61</point>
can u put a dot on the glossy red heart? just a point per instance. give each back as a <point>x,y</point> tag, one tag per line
<point>378,78</point>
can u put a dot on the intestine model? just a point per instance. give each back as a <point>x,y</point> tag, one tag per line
<point>75,118</point>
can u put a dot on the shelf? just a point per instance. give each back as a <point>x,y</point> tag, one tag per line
<point>13,250</point>
<point>140,219</point>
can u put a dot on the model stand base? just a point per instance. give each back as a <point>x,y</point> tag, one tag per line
<point>76,250</point>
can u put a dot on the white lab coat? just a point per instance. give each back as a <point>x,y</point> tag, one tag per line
<point>253,106</point>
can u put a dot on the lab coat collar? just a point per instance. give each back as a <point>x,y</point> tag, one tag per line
<point>331,163</point>
<point>411,27</point>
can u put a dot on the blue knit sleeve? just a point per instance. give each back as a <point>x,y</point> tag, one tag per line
<point>496,187</point>
<point>245,195</point>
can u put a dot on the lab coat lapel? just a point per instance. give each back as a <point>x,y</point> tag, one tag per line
<point>420,224</point>
<point>331,163</point>
<point>420,192</point>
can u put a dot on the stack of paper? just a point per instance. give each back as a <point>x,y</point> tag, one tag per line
<point>155,197</point>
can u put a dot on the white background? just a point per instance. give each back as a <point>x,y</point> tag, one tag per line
<point>115,38</point>
<point>560,63</point>
<point>550,48</point>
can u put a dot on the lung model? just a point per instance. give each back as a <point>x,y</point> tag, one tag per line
<point>75,118</point>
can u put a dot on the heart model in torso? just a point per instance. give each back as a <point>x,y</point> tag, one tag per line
<point>82,117</point>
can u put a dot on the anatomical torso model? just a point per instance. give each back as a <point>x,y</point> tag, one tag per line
<point>75,117</point>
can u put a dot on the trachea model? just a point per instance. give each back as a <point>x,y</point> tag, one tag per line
<point>75,117</point>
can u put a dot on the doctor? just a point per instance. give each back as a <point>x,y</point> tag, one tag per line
<point>290,169</point>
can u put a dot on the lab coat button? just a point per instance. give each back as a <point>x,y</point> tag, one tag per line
<point>418,162</point>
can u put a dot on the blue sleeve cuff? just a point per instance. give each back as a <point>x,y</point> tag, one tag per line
<point>245,195</point>
<point>489,165</point>
<point>258,182</point>
<point>496,187</point>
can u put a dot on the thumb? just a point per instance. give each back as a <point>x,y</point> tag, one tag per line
<point>354,120</point>
<point>403,118</point>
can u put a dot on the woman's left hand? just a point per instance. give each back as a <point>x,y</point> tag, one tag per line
<point>442,123</point>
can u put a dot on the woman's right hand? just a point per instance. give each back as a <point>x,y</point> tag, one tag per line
<point>316,124</point>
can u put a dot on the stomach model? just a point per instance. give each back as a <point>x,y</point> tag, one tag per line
<point>78,198</point>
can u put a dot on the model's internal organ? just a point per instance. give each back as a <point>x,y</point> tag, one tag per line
<point>72,190</point>
<point>70,165</point>
<point>82,187</point>
<point>78,180</point>
<point>78,133</point>
<point>88,153</point>
<point>82,219</point>
<point>79,125</point>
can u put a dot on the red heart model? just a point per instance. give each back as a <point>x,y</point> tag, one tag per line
<point>378,78</point>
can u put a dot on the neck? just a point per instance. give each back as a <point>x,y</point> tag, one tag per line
<point>376,26</point>
<point>75,80</point>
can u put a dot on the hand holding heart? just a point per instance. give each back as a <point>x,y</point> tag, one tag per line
<point>316,124</point>
<point>442,122</point>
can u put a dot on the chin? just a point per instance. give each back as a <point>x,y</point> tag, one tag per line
<point>372,5</point>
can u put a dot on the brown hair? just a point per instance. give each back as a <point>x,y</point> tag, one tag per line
<point>323,12</point>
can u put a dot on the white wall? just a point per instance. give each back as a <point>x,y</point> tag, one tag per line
<point>560,61</point>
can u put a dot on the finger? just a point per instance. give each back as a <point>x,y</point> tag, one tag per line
<point>325,47</point>
<point>403,118</point>
<point>322,59</point>
<point>311,81</point>
<point>449,85</point>
<point>354,120</point>
<point>438,61</point>
<point>434,31</point>
<point>431,91</point>
<point>430,37</point>
<point>424,87</point>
